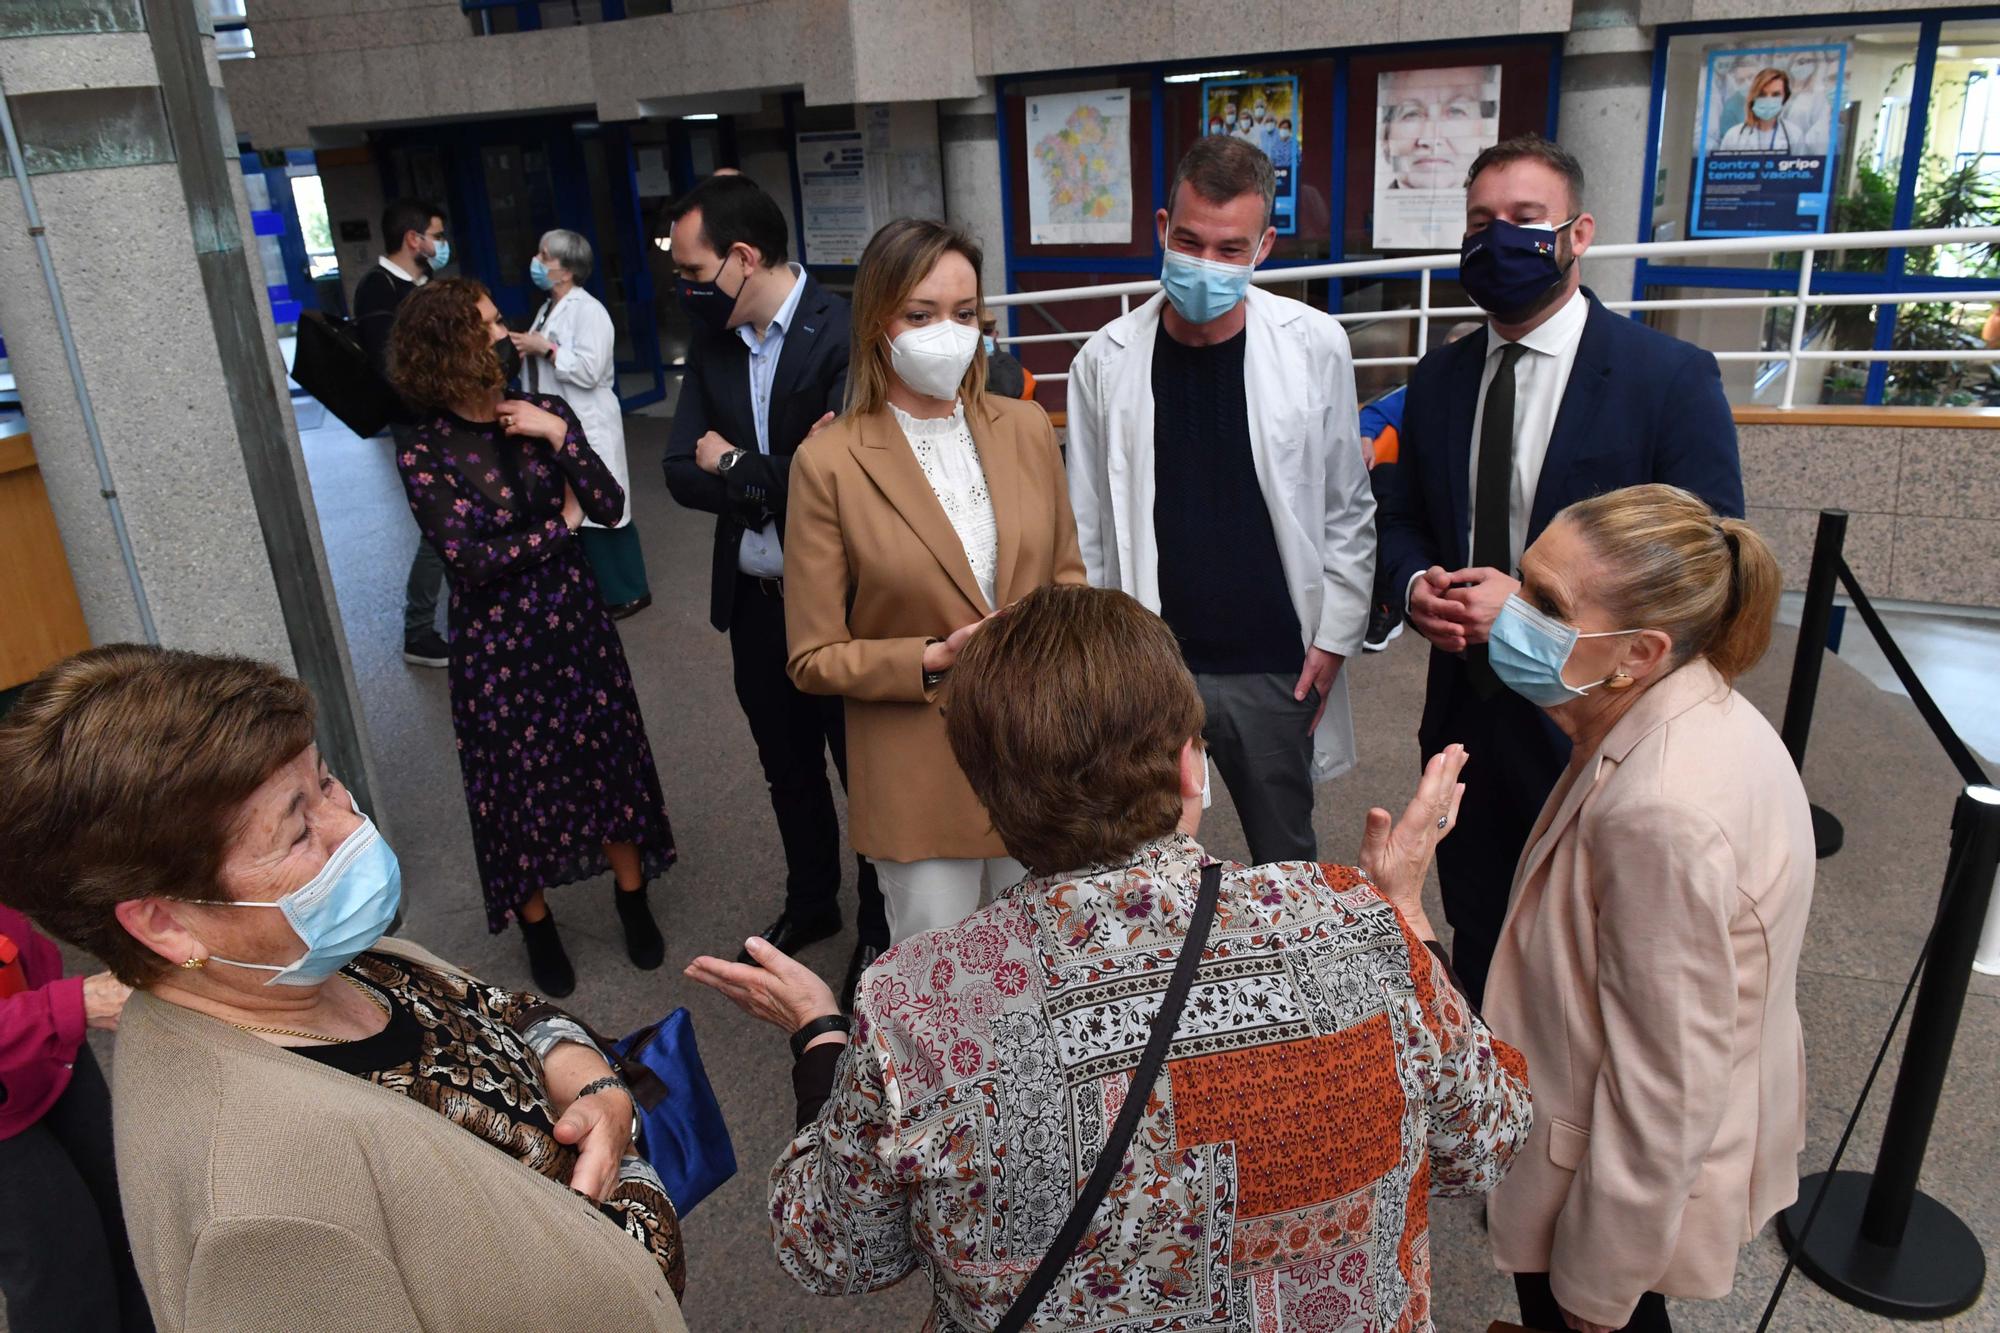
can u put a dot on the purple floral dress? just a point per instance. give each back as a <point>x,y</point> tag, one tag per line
<point>550,740</point>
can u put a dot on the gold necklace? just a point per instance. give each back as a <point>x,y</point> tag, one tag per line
<point>299,1035</point>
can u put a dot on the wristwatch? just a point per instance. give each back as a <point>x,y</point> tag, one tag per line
<point>727,461</point>
<point>818,1028</point>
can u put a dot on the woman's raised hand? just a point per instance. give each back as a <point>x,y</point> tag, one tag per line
<point>520,418</point>
<point>774,987</point>
<point>1397,853</point>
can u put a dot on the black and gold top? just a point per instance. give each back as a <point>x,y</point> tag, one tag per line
<point>464,1049</point>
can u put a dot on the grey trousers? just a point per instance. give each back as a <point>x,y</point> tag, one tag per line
<point>1257,735</point>
<point>427,575</point>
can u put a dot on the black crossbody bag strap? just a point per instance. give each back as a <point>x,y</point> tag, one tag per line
<point>1143,1078</point>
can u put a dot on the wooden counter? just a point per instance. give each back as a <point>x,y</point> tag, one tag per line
<point>38,605</point>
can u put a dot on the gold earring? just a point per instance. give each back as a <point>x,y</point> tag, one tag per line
<point>194,964</point>
<point>1619,680</point>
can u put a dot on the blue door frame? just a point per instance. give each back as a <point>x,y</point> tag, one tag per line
<point>1930,24</point>
<point>565,203</point>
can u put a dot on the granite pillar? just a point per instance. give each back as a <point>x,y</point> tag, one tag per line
<point>130,157</point>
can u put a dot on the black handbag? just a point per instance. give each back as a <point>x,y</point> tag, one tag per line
<point>1143,1078</point>
<point>331,364</point>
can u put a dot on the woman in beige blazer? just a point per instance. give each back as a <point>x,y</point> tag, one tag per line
<point>316,1128</point>
<point>927,507</point>
<point>1649,960</point>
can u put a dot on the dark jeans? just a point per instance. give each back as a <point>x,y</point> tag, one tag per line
<point>1540,1311</point>
<point>65,1264</point>
<point>427,576</point>
<point>794,732</point>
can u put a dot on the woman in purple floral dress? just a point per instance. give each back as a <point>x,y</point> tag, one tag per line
<point>559,778</point>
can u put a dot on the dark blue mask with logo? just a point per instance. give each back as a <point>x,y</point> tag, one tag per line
<point>1507,269</point>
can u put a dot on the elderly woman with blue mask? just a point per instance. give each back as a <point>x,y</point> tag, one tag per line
<point>569,352</point>
<point>316,1126</point>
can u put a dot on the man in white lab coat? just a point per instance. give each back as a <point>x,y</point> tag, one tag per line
<point>1216,475</point>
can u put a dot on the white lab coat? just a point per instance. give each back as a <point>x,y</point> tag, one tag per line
<point>581,374</point>
<point>1305,442</point>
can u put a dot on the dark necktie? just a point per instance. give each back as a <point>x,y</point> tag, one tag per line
<point>1493,499</point>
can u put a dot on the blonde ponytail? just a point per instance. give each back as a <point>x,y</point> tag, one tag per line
<point>1744,631</point>
<point>1673,564</point>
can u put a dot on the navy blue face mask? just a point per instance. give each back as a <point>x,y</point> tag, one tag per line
<point>1508,269</point>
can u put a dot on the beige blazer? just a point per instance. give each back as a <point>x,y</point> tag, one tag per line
<point>874,570</point>
<point>1647,970</point>
<point>265,1191</point>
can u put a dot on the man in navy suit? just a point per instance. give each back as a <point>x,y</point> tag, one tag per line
<point>1558,400</point>
<point>767,367</point>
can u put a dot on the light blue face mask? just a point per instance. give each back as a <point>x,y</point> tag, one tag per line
<point>1203,289</point>
<point>1767,108</point>
<point>443,255</point>
<point>342,910</point>
<point>538,273</point>
<point>991,346</point>
<point>1528,650</point>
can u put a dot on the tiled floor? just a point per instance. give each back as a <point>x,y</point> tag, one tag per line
<point>1871,762</point>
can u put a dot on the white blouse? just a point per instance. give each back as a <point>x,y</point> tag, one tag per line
<point>950,460</point>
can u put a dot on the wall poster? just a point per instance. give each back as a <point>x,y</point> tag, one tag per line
<point>1080,168</point>
<point>1266,112</point>
<point>1767,140</point>
<point>833,197</point>
<point>1433,123</point>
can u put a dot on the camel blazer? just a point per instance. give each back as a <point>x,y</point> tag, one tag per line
<point>266,1191</point>
<point>1647,970</point>
<point>874,571</point>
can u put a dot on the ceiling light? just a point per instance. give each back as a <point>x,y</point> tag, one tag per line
<point>703,115</point>
<point>1205,74</point>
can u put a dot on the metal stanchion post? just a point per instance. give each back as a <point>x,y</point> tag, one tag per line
<point>1987,960</point>
<point>1815,620</point>
<point>1879,1242</point>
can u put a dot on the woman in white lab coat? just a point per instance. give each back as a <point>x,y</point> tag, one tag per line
<point>568,352</point>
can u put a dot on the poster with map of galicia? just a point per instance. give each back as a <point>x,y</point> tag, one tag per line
<point>1080,168</point>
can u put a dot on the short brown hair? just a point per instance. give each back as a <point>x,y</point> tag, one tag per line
<point>1067,714</point>
<point>1533,148</point>
<point>1674,564</point>
<point>121,773</point>
<point>1221,168</point>
<point>438,350</point>
<point>898,257</point>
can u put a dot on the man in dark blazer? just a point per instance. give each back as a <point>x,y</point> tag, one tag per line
<point>1557,400</point>
<point>766,368</point>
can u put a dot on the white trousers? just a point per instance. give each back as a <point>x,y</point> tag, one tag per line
<point>940,892</point>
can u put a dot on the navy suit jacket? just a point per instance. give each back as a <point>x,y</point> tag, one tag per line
<point>715,396</point>
<point>1640,407</point>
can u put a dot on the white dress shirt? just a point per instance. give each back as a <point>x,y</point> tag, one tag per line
<point>1540,377</point>
<point>420,277</point>
<point>950,460</point>
<point>760,555</point>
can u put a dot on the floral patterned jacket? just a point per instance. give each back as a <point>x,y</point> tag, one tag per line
<point>1325,1079</point>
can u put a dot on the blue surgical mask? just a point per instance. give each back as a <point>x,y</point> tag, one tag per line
<point>442,255</point>
<point>538,273</point>
<point>1767,108</point>
<point>1203,289</point>
<point>1508,268</point>
<point>991,347</point>
<point>339,912</point>
<point>1528,650</point>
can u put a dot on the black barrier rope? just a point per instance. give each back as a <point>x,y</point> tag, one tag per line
<point>1798,1244</point>
<point>1954,748</point>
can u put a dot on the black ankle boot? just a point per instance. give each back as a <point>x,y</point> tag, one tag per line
<point>643,943</point>
<point>548,963</point>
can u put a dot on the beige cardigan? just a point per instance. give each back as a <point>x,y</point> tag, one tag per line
<point>874,569</point>
<point>1648,971</point>
<point>265,1191</point>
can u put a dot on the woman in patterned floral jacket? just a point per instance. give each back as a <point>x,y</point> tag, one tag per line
<point>1325,1078</point>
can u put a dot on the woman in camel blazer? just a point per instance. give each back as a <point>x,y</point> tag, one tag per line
<point>926,508</point>
<point>1648,965</point>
